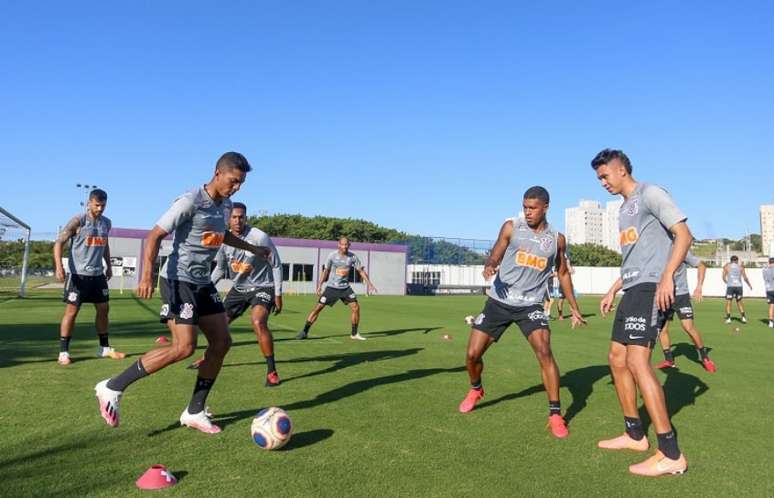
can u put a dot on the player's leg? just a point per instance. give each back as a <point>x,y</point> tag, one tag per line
<point>740,307</point>
<point>312,318</point>
<point>729,297</point>
<point>354,318</point>
<point>690,328</point>
<point>66,332</point>
<point>771,315</point>
<point>101,322</point>
<point>560,308</point>
<point>540,340</point>
<point>478,343</point>
<point>626,390</point>
<point>666,347</point>
<point>668,458</point>
<point>260,319</point>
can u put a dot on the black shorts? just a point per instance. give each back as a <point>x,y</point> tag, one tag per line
<point>185,302</point>
<point>638,320</point>
<point>330,296</point>
<point>770,296</point>
<point>81,289</point>
<point>734,293</point>
<point>682,307</point>
<point>497,317</point>
<point>236,302</point>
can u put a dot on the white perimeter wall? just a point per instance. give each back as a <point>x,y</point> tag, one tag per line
<point>592,280</point>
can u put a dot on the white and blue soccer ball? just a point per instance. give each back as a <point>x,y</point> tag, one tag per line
<point>271,428</point>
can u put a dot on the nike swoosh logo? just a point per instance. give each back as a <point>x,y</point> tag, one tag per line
<point>636,337</point>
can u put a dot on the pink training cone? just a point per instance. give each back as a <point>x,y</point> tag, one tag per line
<point>162,340</point>
<point>156,477</point>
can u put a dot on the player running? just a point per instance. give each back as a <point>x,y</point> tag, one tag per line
<point>189,299</point>
<point>684,310</point>
<point>522,260</point>
<point>257,284</point>
<point>88,276</point>
<point>733,273</point>
<point>768,279</point>
<point>654,241</point>
<point>336,278</point>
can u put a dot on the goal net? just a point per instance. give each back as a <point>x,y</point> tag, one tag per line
<point>14,255</point>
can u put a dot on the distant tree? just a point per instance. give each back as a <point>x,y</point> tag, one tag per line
<point>593,255</point>
<point>323,228</point>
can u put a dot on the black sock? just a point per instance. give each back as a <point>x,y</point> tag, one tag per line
<point>270,367</point>
<point>103,340</point>
<point>634,428</point>
<point>134,373</point>
<point>667,443</point>
<point>354,329</point>
<point>668,356</point>
<point>476,385</point>
<point>307,326</point>
<point>704,352</point>
<point>743,315</point>
<point>201,390</point>
<point>728,315</point>
<point>64,344</point>
<point>554,408</point>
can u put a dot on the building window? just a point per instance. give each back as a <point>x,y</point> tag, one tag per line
<point>303,273</point>
<point>426,277</point>
<point>285,272</point>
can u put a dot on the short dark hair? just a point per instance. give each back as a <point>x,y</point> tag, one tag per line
<point>98,194</point>
<point>771,260</point>
<point>537,192</point>
<point>734,258</point>
<point>239,205</point>
<point>607,155</point>
<point>233,160</point>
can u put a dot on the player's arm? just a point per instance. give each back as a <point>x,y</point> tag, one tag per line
<point>324,278</point>
<point>498,251</point>
<point>234,241</point>
<point>108,266</point>
<point>725,273</point>
<point>701,269</point>
<point>220,266</point>
<point>70,229</point>
<point>744,276</point>
<point>150,253</point>
<point>565,281</point>
<point>369,285</point>
<point>607,301</point>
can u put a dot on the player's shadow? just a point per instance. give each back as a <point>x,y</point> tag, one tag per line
<point>334,395</point>
<point>341,361</point>
<point>307,438</point>
<point>680,390</point>
<point>764,321</point>
<point>384,333</point>
<point>688,351</point>
<point>580,382</point>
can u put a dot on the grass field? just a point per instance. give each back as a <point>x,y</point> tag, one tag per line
<point>375,418</point>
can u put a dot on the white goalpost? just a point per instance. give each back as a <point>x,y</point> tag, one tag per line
<point>13,231</point>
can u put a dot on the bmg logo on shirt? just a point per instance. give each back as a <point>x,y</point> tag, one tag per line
<point>239,267</point>
<point>96,241</point>
<point>629,236</point>
<point>212,239</point>
<point>523,258</point>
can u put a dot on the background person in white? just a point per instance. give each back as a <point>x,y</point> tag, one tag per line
<point>336,279</point>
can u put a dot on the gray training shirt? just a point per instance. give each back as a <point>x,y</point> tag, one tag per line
<point>734,275</point>
<point>681,275</point>
<point>245,269</point>
<point>526,266</point>
<point>768,278</point>
<point>339,269</point>
<point>646,242</point>
<point>199,225</point>
<point>87,246</point>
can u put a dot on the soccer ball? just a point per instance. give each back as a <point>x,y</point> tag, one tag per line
<point>271,428</point>
<point>469,319</point>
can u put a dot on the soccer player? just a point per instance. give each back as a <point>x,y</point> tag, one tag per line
<point>733,273</point>
<point>88,276</point>
<point>684,310</point>
<point>522,259</point>
<point>189,299</point>
<point>768,278</point>
<point>654,241</point>
<point>336,279</point>
<point>257,284</point>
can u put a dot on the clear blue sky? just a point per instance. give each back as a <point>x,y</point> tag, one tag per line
<point>428,117</point>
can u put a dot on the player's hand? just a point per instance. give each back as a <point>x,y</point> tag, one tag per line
<point>372,289</point>
<point>277,305</point>
<point>697,295</point>
<point>606,304</point>
<point>145,289</point>
<point>489,271</point>
<point>60,275</point>
<point>319,291</point>
<point>108,272</point>
<point>577,318</point>
<point>665,293</point>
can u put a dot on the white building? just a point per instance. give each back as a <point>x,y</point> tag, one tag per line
<point>610,225</point>
<point>767,229</point>
<point>584,223</point>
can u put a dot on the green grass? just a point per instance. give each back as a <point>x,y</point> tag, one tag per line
<point>374,418</point>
